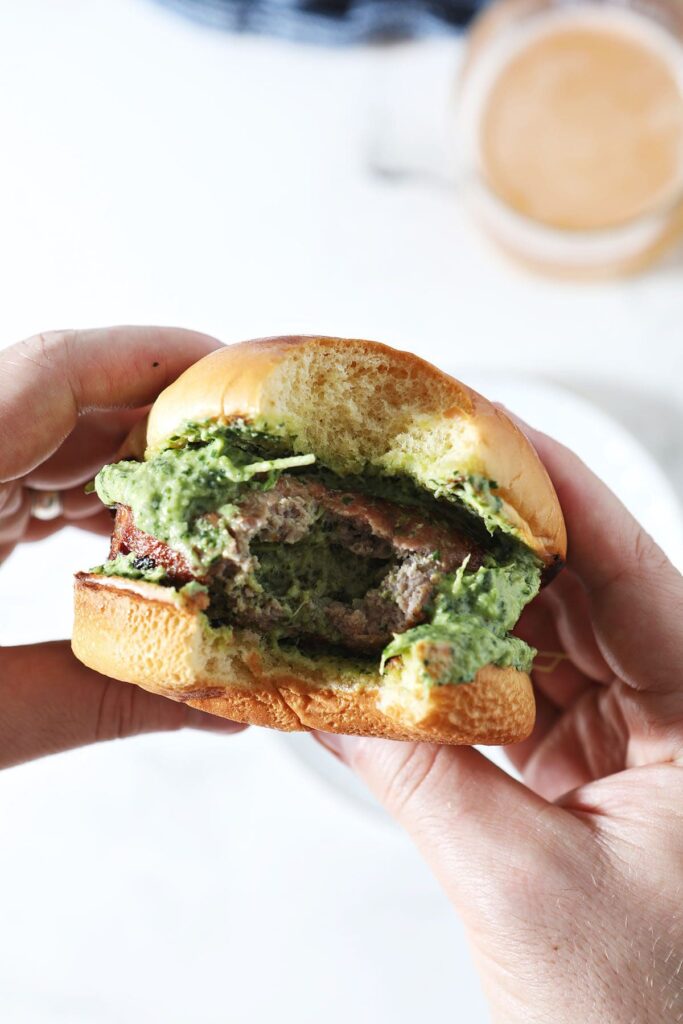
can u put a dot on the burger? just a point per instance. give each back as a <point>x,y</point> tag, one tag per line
<point>320,533</point>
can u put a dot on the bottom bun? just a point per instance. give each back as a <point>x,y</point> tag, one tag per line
<point>160,639</point>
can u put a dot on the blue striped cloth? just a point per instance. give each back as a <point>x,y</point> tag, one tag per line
<point>331,21</point>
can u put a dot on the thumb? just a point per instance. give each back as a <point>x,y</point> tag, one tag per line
<point>49,702</point>
<point>472,822</point>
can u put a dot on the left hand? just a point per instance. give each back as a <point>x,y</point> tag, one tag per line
<point>67,401</point>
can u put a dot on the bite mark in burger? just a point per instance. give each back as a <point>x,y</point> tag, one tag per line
<point>326,534</point>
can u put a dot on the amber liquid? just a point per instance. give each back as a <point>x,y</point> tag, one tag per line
<point>582,128</point>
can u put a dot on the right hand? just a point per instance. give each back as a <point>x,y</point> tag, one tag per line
<point>569,884</point>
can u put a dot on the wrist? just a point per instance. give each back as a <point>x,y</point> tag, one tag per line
<point>592,984</point>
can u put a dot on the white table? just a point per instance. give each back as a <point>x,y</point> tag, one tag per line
<point>153,171</point>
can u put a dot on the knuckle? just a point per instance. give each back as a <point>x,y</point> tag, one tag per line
<point>117,716</point>
<point>11,496</point>
<point>647,556</point>
<point>420,772</point>
<point>42,349</point>
<point>55,352</point>
<point>362,756</point>
<point>126,710</point>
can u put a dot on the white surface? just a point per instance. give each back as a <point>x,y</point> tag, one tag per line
<point>197,879</point>
<point>156,172</point>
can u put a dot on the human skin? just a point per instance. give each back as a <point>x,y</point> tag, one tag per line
<point>67,401</point>
<point>569,883</point>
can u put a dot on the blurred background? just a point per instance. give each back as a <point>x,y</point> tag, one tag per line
<point>504,201</point>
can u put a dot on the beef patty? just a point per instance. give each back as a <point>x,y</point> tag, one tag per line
<point>303,560</point>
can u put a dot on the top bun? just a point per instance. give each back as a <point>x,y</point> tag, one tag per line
<point>356,404</point>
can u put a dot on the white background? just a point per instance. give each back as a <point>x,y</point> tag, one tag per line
<point>153,171</point>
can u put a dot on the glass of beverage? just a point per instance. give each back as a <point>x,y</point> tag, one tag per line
<point>571,131</point>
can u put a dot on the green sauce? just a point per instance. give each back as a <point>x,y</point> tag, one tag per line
<point>471,615</point>
<point>170,493</point>
<point>297,573</point>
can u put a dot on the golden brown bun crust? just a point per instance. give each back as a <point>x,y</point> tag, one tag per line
<point>351,401</point>
<point>149,635</point>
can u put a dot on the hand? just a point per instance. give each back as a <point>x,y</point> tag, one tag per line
<point>569,885</point>
<point>67,401</point>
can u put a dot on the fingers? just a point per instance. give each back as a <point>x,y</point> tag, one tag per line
<point>76,504</point>
<point>635,594</point>
<point>11,496</point>
<point>605,541</point>
<point>557,691</point>
<point>569,605</point>
<point>473,823</point>
<point>78,508</point>
<point>50,702</point>
<point>519,754</point>
<point>554,673</point>
<point>99,523</point>
<point>93,442</point>
<point>589,741</point>
<point>13,525</point>
<point>47,381</point>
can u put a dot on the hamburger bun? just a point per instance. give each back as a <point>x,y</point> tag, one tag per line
<point>352,403</point>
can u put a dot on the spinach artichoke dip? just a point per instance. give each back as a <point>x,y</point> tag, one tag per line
<point>330,572</point>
